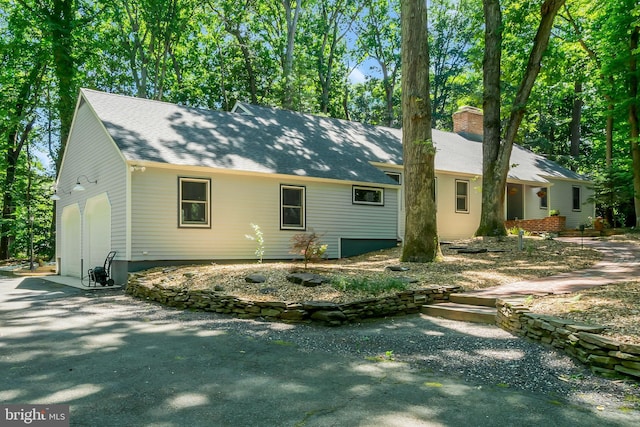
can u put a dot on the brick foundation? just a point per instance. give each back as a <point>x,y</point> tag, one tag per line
<point>548,224</point>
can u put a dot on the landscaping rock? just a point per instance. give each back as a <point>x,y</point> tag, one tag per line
<point>266,291</point>
<point>307,279</point>
<point>255,278</point>
<point>397,268</point>
<point>329,316</point>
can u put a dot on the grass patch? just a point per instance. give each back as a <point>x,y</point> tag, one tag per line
<point>369,285</point>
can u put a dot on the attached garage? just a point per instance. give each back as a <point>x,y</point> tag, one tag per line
<point>70,254</point>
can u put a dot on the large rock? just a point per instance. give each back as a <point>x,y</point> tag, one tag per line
<point>307,279</point>
<point>255,278</point>
<point>329,316</point>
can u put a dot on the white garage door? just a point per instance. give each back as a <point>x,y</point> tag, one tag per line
<point>70,257</point>
<point>97,220</point>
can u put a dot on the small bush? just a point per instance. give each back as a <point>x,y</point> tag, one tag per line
<point>257,237</point>
<point>368,285</point>
<point>308,245</point>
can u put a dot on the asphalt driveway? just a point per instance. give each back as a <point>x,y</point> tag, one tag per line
<point>123,362</point>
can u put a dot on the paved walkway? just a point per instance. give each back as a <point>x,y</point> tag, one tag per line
<point>119,361</point>
<point>621,263</point>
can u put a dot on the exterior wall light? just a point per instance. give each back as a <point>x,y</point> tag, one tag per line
<point>80,187</point>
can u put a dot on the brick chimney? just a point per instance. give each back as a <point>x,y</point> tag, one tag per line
<point>467,122</point>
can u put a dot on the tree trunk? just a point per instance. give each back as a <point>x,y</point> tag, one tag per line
<point>421,234</point>
<point>61,28</point>
<point>497,152</point>
<point>287,71</point>
<point>634,122</point>
<point>492,214</point>
<point>248,63</point>
<point>576,115</point>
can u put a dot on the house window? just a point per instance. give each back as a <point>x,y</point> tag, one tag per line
<point>576,199</point>
<point>462,196</point>
<point>544,200</point>
<point>194,202</point>
<point>394,176</point>
<point>368,196</point>
<point>292,201</point>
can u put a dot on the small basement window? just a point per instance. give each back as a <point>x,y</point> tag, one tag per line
<point>194,199</point>
<point>292,207</point>
<point>368,196</point>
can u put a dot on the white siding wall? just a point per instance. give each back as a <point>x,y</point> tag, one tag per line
<point>237,201</point>
<point>532,208</point>
<point>452,224</point>
<point>90,152</point>
<point>561,199</point>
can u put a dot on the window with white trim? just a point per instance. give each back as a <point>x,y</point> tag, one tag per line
<point>576,199</point>
<point>368,196</point>
<point>462,196</point>
<point>292,207</point>
<point>194,198</point>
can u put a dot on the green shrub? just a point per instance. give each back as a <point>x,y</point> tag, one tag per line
<point>515,230</point>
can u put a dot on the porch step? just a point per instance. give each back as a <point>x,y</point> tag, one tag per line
<point>463,312</point>
<point>473,300</point>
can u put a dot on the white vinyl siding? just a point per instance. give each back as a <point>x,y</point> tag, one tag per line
<point>239,201</point>
<point>560,198</point>
<point>452,225</point>
<point>91,152</point>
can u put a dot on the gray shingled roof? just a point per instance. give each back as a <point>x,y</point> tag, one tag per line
<point>272,140</point>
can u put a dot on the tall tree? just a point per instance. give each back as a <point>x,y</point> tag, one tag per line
<point>454,26</point>
<point>24,62</point>
<point>496,146</point>
<point>379,38</point>
<point>634,116</point>
<point>421,233</point>
<point>331,22</point>
<point>292,10</point>
<point>150,31</point>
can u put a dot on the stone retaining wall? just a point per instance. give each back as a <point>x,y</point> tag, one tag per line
<point>329,313</point>
<point>602,354</point>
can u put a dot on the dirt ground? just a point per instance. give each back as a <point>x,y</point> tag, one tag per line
<point>615,306</point>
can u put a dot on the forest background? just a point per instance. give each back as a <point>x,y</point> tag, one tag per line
<point>339,58</point>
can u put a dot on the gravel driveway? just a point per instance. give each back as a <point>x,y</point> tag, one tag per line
<point>122,362</point>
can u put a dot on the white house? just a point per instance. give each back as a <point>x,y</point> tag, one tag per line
<point>161,184</point>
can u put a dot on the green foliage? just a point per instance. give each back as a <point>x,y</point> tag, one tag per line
<point>308,245</point>
<point>367,285</point>
<point>257,237</point>
<point>514,231</point>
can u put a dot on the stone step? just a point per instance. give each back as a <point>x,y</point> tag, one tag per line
<point>473,300</point>
<point>463,312</point>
